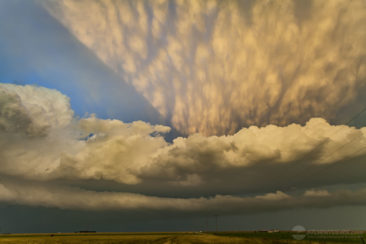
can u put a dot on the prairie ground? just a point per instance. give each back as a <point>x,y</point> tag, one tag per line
<point>178,237</point>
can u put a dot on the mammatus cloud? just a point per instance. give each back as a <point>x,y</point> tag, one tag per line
<point>205,171</point>
<point>216,66</point>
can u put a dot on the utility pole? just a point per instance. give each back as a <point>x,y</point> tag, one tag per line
<point>207,229</point>
<point>216,220</point>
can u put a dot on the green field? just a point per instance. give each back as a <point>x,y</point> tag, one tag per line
<point>182,237</point>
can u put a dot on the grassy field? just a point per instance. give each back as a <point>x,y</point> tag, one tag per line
<point>181,237</point>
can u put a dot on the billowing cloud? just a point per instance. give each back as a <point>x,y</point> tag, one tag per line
<point>32,110</point>
<point>35,127</point>
<point>192,173</point>
<point>281,157</point>
<point>216,66</point>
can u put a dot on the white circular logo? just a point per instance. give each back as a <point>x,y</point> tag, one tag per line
<point>298,232</point>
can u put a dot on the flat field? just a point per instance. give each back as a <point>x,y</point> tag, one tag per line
<point>185,237</point>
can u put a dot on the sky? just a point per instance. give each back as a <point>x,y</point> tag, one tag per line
<point>160,115</point>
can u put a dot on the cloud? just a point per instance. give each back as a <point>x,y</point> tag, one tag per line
<point>114,151</point>
<point>32,110</point>
<point>255,169</point>
<point>216,66</point>
<point>319,193</point>
<point>74,198</point>
<point>35,128</point>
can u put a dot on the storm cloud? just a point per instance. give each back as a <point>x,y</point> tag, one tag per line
<point>45,151</point>
<point>216,66</point>
<point>74,198</point>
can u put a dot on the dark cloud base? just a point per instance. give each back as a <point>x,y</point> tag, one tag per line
<point>25,219</point>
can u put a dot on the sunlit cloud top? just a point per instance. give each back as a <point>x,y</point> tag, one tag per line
<point>216,66</point>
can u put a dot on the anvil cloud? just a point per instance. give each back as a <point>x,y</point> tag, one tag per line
<point>216,66</point>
